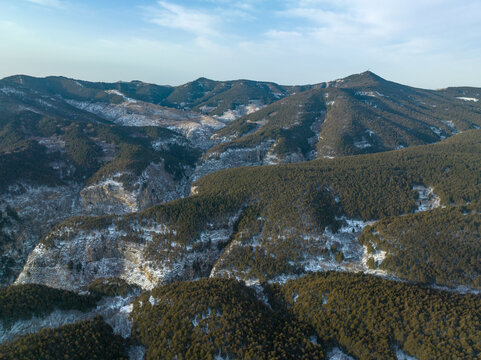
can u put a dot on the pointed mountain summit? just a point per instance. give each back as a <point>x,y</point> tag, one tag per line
<point>364,79</point>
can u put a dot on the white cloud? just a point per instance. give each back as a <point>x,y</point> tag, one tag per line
<point>178,17</point>
<point>48,3</point>
<point>409,27</point>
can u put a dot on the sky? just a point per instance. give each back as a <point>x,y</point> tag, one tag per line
<point>423,43</point>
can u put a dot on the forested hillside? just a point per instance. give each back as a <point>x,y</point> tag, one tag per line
<point>265,222</point>
<point>359,114</point>
<point>439,246</point>
<point>223,318</point>
<point>91,339</point>
<point>369,317</point>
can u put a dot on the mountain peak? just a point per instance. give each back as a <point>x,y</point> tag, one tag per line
<point>366,78</point>
<point>203,80</point>
<point>369,73</point>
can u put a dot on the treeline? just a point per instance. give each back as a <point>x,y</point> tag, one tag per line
<point>440,246</point>
<point>85,340</point>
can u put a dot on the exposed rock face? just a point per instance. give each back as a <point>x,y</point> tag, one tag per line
<point>28,213</point>
<point>262,154</point>
<point>108,196</point>
<point>71,258</point>
<point>117,196</point>
<point>34,210</point>
<point>231,158</point>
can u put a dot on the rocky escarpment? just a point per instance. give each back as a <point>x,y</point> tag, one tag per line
<point>263,154</point>
<point>123,193</point>
<point>28,212</point>
<point>73,255</point>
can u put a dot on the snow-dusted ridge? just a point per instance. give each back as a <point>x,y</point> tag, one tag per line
<point>322,248</point>
<point>196,127</point>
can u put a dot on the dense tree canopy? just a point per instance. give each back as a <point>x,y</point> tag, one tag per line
<point>85,340</point>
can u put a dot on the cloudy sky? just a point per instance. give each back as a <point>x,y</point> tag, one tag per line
<point>424,43</point>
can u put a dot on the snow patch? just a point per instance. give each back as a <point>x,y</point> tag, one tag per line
<point>219,356</point>
<point>427,199</point>
<point>401,355</point>
<point>378,257</point>
<point>467,98</point>
<point>362,144</point>
<point>11,91</point>
<point>241,110</point>
<point>346,241</point>
<point>116,92</point>
<point>338,354</point>
<point>52,143</point>
<point>369,93</point>
<point>438,132</point>
<point>136,352</point>
<point>271,159</point>
<point>450,124</point>
<point>153,301</point>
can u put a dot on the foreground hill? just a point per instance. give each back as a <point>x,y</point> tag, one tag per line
<point>329,315</point>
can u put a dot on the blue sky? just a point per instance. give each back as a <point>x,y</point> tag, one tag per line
<point>424,43</point>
